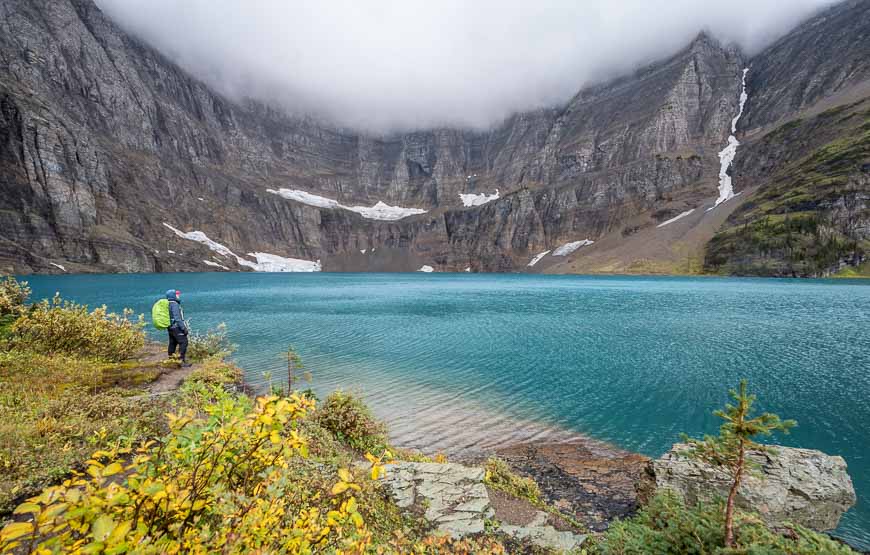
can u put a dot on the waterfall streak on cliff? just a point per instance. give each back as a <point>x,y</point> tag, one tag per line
<point>726,157</point>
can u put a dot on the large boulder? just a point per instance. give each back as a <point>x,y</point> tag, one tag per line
<point>801,486</point>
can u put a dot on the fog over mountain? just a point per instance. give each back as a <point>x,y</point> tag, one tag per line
<point>385,66</point>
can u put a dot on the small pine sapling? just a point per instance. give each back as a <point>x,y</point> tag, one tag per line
<point>736,437</point>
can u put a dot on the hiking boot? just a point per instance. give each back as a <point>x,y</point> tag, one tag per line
<point>186,364</point>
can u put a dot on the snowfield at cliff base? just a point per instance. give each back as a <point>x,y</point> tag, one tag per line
<point>265,262</point>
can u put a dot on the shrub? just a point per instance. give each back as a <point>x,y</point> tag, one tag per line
<point>213,343</point>
<point>13,295</point>
<point>216,371</point>
<point>500,476</point>
<point>217,484</point>
<point>66,327</point>
<point>54,411</point>
<point>237,479</point>
<point>666,526</point>
<point>352,422</point>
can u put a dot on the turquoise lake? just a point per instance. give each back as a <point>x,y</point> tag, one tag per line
<point>468,362</point>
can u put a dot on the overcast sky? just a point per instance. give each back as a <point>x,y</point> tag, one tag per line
<point>388,65</point>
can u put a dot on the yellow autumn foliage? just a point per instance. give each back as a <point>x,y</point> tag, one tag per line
<point>224,481</point>
<point>217,483</point>
<point>65,327</point>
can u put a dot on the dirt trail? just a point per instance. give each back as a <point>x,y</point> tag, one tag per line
<point>171,375</point>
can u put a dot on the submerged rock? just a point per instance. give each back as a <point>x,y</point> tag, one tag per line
<point>801,486</point>
<point>590,480</point>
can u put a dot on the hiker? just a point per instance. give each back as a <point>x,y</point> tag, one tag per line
<point>177,327</point>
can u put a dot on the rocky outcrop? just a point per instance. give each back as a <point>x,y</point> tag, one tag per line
<point>800,486</point>
<point>539,533</point>
<point>455,499</point>
<point>452,495</point>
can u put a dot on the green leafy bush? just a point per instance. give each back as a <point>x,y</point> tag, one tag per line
<point>65,327</point>
<point>352,422</point>
<point>213,343</point>
<point>13,295</point>
<point>666,526</point>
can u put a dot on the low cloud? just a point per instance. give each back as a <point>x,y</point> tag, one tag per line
<point>385,65</point>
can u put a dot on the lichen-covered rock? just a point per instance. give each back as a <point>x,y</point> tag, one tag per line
<point>452,495</point>
<point>801,486</point>
<point>541,534</point>
<point>455,499</point>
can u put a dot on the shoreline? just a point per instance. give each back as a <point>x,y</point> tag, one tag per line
<point>837,275</point>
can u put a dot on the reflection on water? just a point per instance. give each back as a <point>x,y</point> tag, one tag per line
<point>462,363</point>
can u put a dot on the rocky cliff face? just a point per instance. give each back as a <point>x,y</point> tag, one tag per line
<point>826,58</point>
<point>103,140</point>
<point>807,152</point>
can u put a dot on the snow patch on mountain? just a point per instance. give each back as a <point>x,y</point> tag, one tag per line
<point>427,269</point>
<point>538,258</point>
<point>214,265</point>
<point>201,237</point>
<point>265,262</point>
<point>675,218</point>
<point>568,248</point>
<point>58,266</point>
<point>472,199</point>
<point>380,211</point>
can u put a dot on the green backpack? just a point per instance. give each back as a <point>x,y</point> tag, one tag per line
<point>160,314</point>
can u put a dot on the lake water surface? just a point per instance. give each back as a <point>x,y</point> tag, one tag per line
<point>467,362</point>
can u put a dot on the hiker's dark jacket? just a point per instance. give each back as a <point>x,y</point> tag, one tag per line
<point>176,315</point>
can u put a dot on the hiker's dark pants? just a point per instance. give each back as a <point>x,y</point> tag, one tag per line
<point>178,339</point>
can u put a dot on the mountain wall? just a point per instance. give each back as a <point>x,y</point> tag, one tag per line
<point>103,141</point>
<point>807,152</point>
